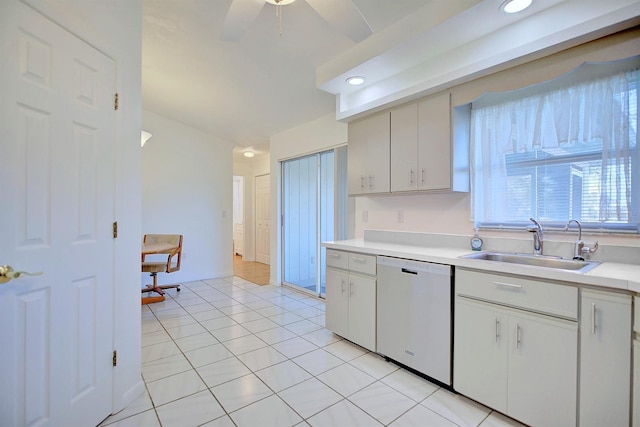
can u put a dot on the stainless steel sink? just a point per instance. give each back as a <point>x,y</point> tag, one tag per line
<point>535,260</point>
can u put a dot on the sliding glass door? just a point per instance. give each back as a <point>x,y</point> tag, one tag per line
<point>314,210</point>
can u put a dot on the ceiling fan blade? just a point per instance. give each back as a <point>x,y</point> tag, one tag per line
<point>344,16</point>
<point>240,16</point>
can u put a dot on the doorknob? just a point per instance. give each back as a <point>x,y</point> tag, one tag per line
<point>7,273</point>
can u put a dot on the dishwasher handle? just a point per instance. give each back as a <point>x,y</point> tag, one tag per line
<point>407,271</point>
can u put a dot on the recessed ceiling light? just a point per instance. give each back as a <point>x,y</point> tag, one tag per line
<point>355,80</point>
<point>248,154</point>
<point>515,6</point>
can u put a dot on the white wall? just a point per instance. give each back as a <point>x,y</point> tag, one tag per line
<point>432,213</point>
<point>250,169</point>
<point>318,135</point>
<point>187,188</point>
<point>95,22</point>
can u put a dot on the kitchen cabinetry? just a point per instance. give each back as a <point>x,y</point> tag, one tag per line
<point>636,362</point>
<point>351,297</point>
<point>605,358</point>
<point>424,156</point>
<point>414,147</point>
<point>404,148</point>
<point>369,154</point>
<point>421,145</point>
<point>513,350</point>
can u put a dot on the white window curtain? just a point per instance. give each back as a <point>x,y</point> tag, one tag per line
<point>595,118</point>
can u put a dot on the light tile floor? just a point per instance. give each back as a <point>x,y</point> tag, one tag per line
<point>227,352</point>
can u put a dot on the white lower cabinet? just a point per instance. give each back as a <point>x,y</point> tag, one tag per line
<point>636,383</point>
<point>605,359</point>
<point>362,311</point>
<point>337,302</point>
<point>519,363</point>
<point>516,346</point>
<point>636,362</point>
<point>351,297</point>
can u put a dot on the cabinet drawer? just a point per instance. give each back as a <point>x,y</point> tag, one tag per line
<point>365,264</point>
<point>536,295</point>
<point>338,259</point>
<point>636,314</point>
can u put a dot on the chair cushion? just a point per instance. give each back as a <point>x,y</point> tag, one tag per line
<point>154,267</point>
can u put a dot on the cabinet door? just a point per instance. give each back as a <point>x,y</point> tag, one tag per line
<point>543,365</point>
<point>362,311</point>
<point>605,359</point>
<point>636,383</point>
<point>480,353</point>
<point>378,154</point>
<point>434,143</point>
<point>337,302</point>
<point>356,159</point>
<point>404,148</point>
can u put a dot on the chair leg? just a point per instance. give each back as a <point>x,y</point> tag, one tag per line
<point>176,286</point>
<point>154,287</point>
<point>151,300</point>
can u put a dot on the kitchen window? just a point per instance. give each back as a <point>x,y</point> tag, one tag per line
<point>560,150</point>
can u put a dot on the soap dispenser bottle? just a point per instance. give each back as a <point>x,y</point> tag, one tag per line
<point>476,242</point>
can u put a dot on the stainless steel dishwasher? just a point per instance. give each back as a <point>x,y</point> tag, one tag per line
<point>414,315</point>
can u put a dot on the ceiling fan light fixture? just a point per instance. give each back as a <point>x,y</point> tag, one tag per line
<point>144,137</point>
<point>280,2</point>
<point>515,6</point>
<point>355,80</point>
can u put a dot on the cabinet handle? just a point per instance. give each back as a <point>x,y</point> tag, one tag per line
<point>507,285</point>
<point>423,175</point>
<point>334,255</point>
<point>350,288</point>
<point>497,329</point>
<point>593,318</point>
<point>371,180</point>
<point>343,286</point>
<point>361,260</point>
<point>411,176</point>
<point>362,178</point>
<point>517,336</point>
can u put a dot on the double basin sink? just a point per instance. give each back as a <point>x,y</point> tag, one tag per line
<point>546,261</point>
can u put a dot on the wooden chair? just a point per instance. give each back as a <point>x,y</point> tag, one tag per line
<point>174,256</point>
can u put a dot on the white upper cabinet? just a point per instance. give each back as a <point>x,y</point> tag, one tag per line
<point>434,143</point>
<point>369,155</point>
<point>404,148</point>
<point>425,156</point>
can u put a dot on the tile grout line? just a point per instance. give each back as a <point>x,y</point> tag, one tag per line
<point>274,393</point>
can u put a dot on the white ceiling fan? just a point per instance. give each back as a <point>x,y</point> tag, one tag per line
<point>341,14</point>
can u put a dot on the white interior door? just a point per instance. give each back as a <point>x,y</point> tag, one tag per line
<point>263,223</point>
<point>238,215</point>
<point>57,139</point>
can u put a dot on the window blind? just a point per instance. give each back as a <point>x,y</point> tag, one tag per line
<point>559,154</point>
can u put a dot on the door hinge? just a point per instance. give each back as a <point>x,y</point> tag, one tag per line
<point>116,101</point>
<point>115,358</point>
<point>115,229</point>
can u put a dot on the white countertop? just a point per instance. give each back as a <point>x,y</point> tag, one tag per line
<point>609,275</point>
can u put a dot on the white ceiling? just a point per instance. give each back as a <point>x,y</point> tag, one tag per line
<point>267,82</point>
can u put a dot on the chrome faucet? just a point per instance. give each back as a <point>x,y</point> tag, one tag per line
<point>579,244</point>
<point>538,232</point>
<point>579,247</point>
